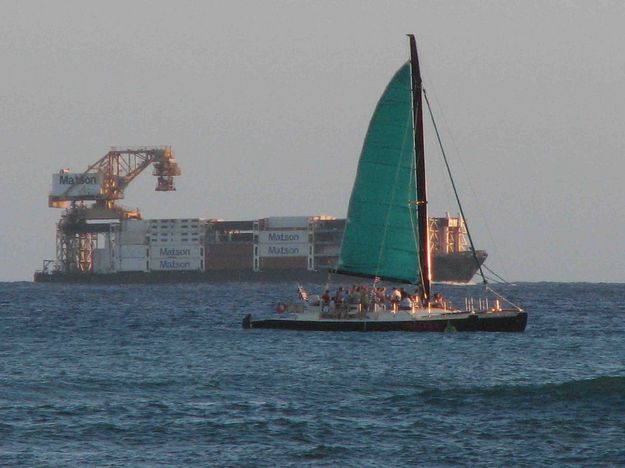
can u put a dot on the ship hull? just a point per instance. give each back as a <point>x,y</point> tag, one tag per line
<point>504,321</point>
<point>140,277</point>
<point>456,268</point>
<point>459,267</point>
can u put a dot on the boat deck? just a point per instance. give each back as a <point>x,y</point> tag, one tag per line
<point>422,319</point>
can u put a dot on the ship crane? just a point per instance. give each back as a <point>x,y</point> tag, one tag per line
<point>102,183</point>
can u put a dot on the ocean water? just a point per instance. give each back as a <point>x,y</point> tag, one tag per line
<point>164,375</point>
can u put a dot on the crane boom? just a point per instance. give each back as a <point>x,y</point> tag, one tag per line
<point>105,180</point>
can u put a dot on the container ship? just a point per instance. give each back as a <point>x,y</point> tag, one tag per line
<point>303,248</point>
<point>105,243</point>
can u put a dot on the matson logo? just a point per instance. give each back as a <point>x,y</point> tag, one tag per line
<point>77,179</point>
<point>283,237</point>
<point>282,250</point>
<point>174,265</point>
<point>171,252</point>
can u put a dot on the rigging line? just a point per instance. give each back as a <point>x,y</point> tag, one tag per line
<point>493,280</point>
<point>503,298</point>
<point>453,184</point>
<point>497,275</point>
<point>472,189</point>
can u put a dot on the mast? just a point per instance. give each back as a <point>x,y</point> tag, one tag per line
<point>422,210</point>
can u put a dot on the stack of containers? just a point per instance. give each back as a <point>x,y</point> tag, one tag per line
<point>327,241</point>
<point>229,245</point>
<point>102,261</point>
<point>176,244</point>
<point>283,243</point>
<point>132,248</point>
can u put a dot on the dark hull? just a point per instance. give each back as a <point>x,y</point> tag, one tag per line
<point>455,268</point>
<point>220,276</point>
<point>491,322</point>
<point>458,267</point>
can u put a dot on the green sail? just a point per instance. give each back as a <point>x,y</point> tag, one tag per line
<point>381,235</point>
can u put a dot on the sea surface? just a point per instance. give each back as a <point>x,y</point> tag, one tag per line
<point>164,375</point>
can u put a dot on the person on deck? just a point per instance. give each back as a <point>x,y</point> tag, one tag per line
<point>345,297</point>
<point>354,296</point>
<point>406,303</point>
<point>325,301</point>
<point>438,301</point>
<point>417,297</point>
<point>380,295</point>
<point>338,297</point>
<point>395,299</point>
<point>364,298</point>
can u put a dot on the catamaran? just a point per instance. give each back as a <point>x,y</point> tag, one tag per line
<point>386,234</point>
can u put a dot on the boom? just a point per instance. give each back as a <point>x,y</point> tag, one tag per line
<point>105,180</point>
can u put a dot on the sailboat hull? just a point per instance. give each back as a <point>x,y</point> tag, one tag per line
<point>503,321</point>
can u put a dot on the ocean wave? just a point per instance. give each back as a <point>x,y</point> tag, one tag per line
<point>604,387</point>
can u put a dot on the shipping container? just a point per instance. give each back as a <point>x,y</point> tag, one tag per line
<point>282,222</point>
<point>177,264</point>
<point>285,263</point>
<point>132,237</point>
<point>175,227</point>
<point>221,225</point>
<point>133,251</point>
<point>229,263</point>
<point>229,256</point>
<point>133,264</point>
<point>327,249</point>
<point>283,250</point>
<point>175,223</point>
<point>283,237</point>
<point>171,239</point>
<point>176,251</point>
<point>102,261</point>
<point>134,225</point>
<point>234,249</point>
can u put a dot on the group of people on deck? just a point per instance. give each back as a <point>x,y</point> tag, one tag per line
<point>367,297</point>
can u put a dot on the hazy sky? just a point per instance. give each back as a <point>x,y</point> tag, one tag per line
<point>266,104</point>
